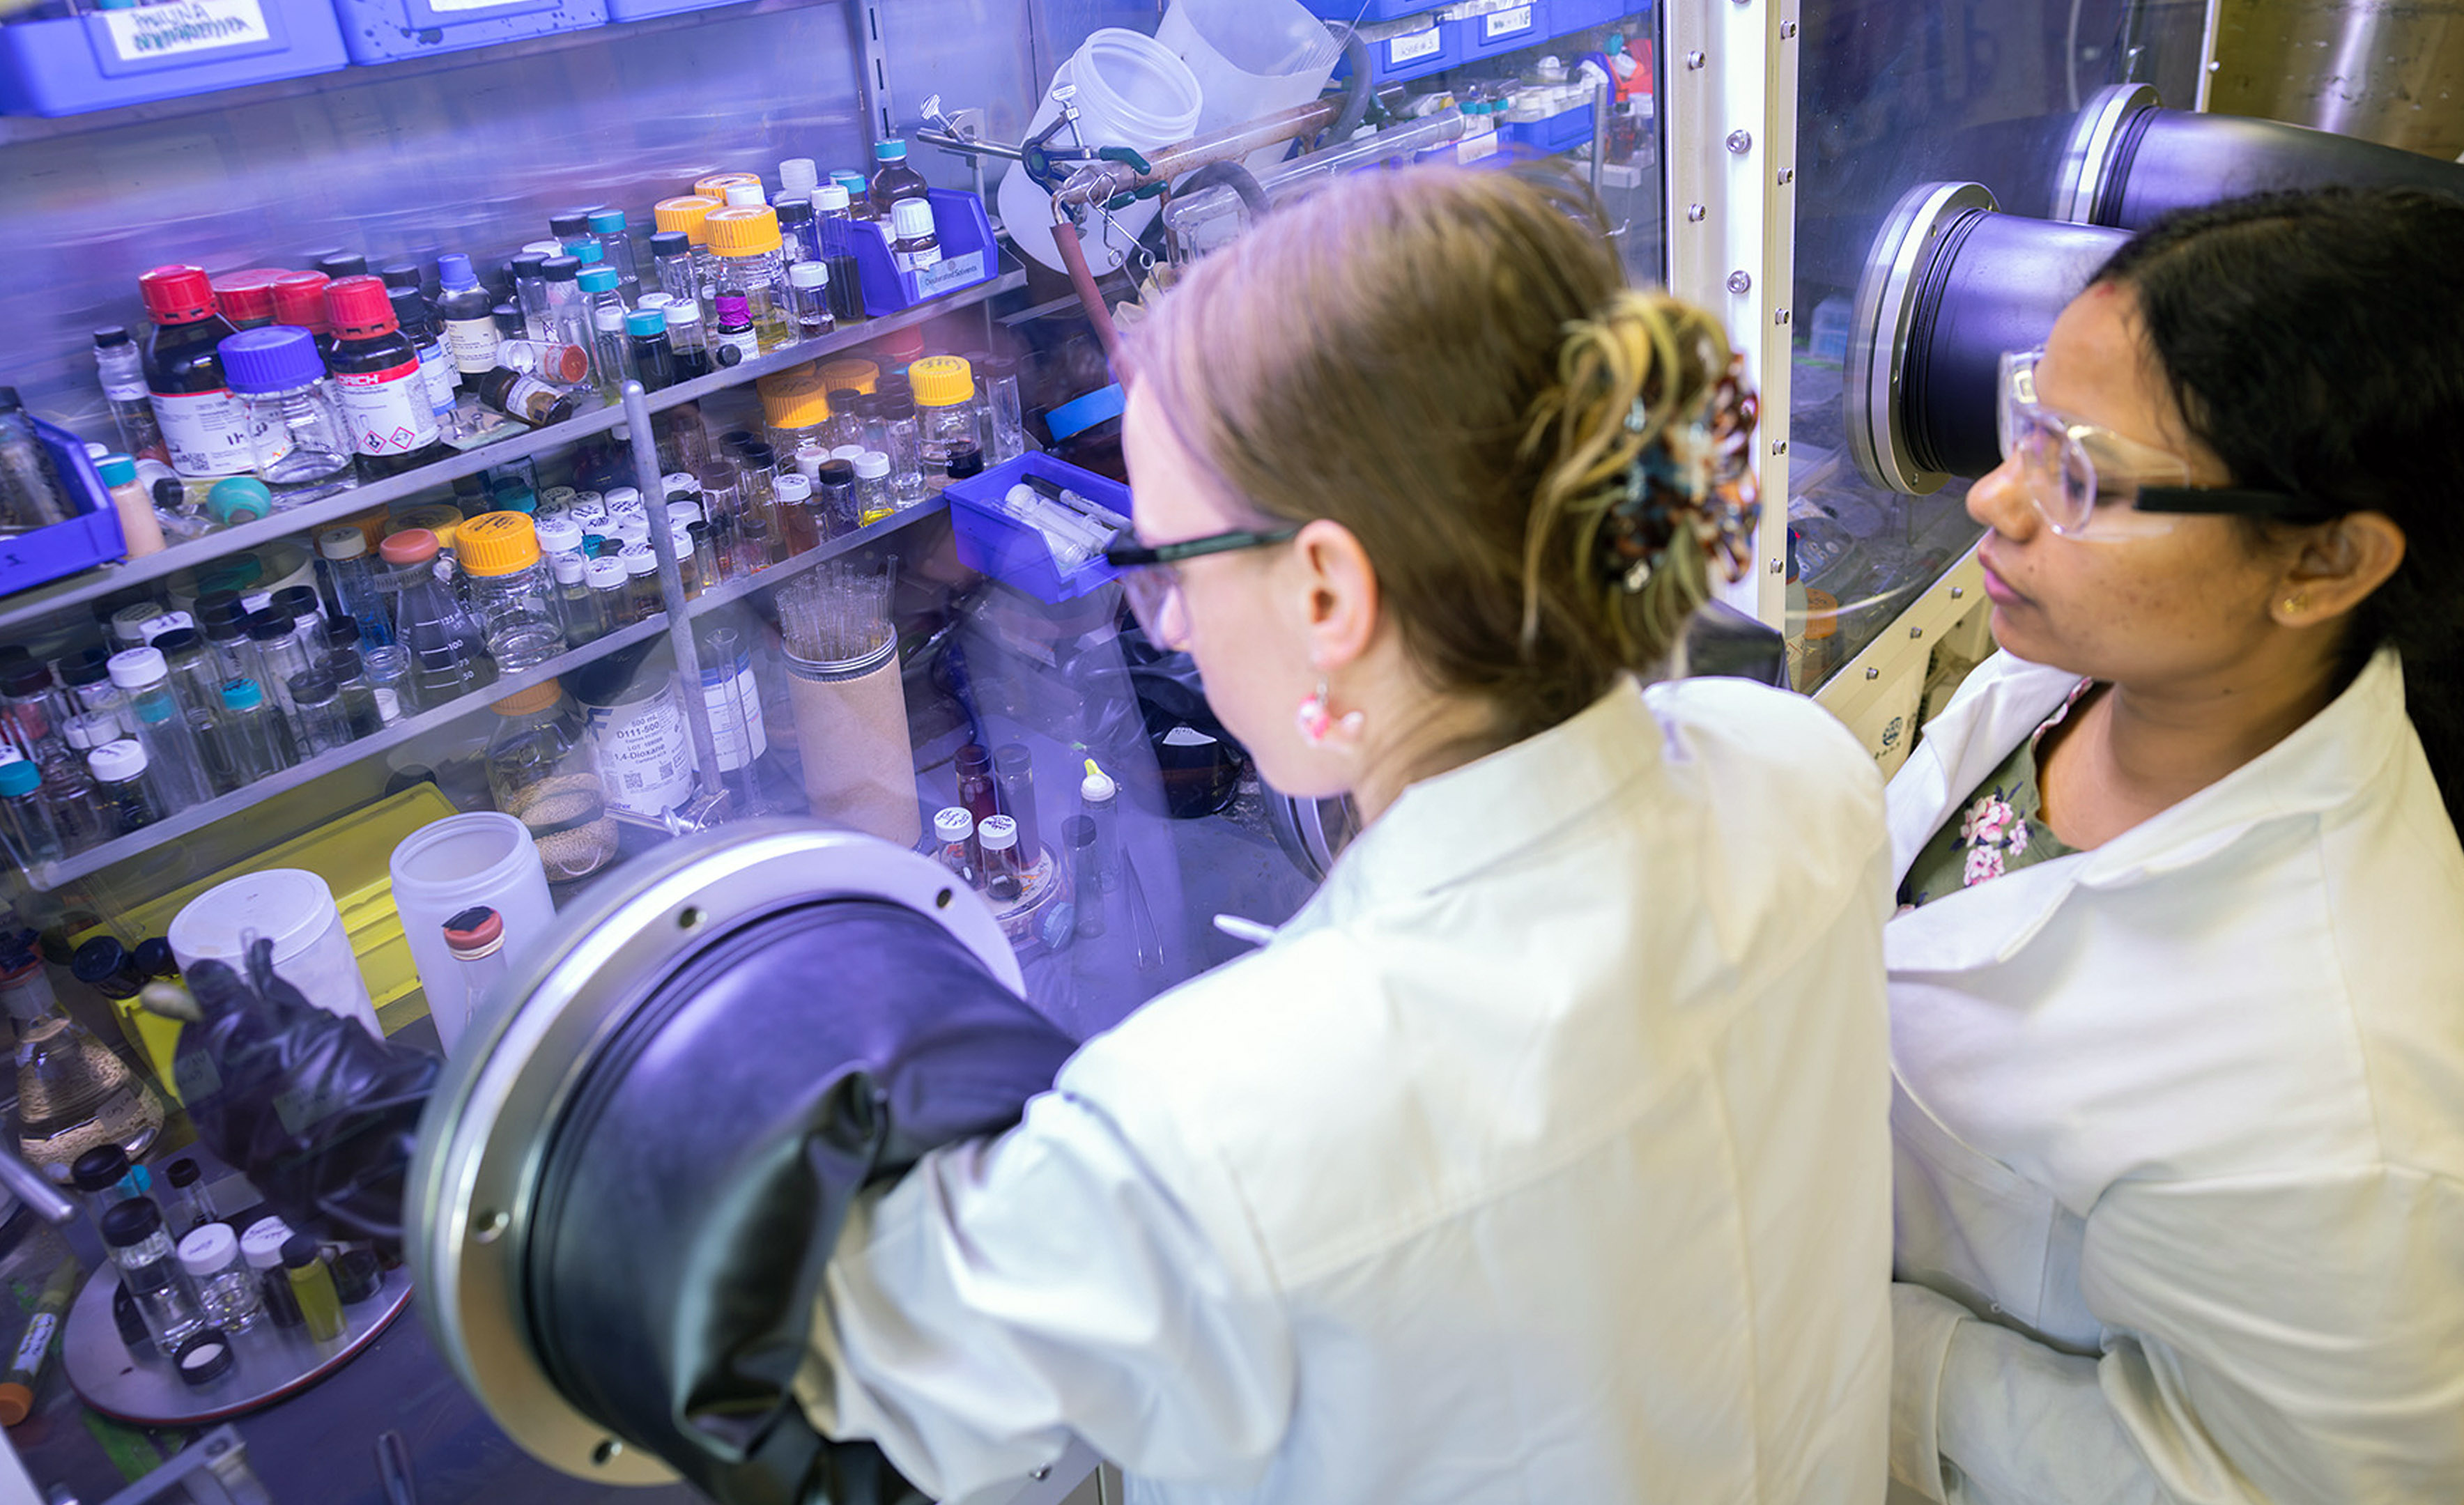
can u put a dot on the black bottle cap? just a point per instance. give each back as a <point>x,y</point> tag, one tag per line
<point>215,606</point>
<point>154,958</point>
<point>834,472</point>
<point>131,1221</point>
<point>759,454</point>
<point>570,224</point>
<point>525,265</point>
<point>269,625</point>
<point>296,601</point>
<point>22,680</point>
<point>343,632</point>
<point>357,1275</point>
<point>179,640</point>
<point>727,355</point>
<point>110,335</point>
<point>98,1169</point>
<point>736,438</point>
<point>341,665</point>
<point>298,1251</point>
<point>9,401</point>
<point>312,689</point>
<point>184,1172</point>
<point>15,653</point>
<point>510,325</point>
<point>560,269</point>
<point>204,1358</point>
<point>400,275</point>
<point>341,263</point>
<point>97,960</point>
<point>670,243</point>
<point>79,670</point>
<point>793,208</point>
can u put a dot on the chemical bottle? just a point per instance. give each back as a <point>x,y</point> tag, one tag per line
<point>799,175</point>
<point>464,310</point>
<point>26,816</point>
<point>525,396</point>
<point>337,264</point>
<point>616,250</point>
<point>915,248</point>
<point>611,360</point>
<point>350,678</point>
<point>145,676</point>
<point>300,301</point>
<point>1099,802</point>
<point>686,342</point>
<point>735,339</point>
<point>376,372</point>
<point>745,238</point>
<point>254,744</point>
<point>134,1235</point>
<point>121,366</point>
<point>809,291</point>
<point>442,642</point>
<point>247,298</point>
<point>671,267</point>
<point>858,189</point>
<point>798,232</point>
<point>646,343</point>
<point>833,228</point>
<point>411,315</point>
<point>893,181</point>
<point>128,797</point>
<point>571,229</point>
<point>568,315</point>
<point>298,433</point>
<point>202,423</point>
<point>608,594</point>
<point>312,1286</point>
<point>31,494</point>
<point>261,1245</point>
<point>542,771</point>
<point>527,273</point>
<point>511,589</point>
<point>344,553</point>
<point>687,215</point>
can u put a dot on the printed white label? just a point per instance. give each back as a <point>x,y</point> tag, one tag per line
<point>149,31</point>
<point>471,342</point>
<point>734,701</point>
<point>916,260</point>
<point>1505,23</point>
<point>37,1340</point>
<point>1419,44</point>
<point>957,272</point>
<point>389,411</point>
<point>645,756</point>
<point>450,5</point>
<point>1475,148</point>
<point>748,343</point>
<point>207,432</point>
<point>436,370</point>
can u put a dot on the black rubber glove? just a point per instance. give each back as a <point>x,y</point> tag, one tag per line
<point>319,1114</point>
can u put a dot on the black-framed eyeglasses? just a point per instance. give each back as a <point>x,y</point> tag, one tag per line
<point>1152,584</point>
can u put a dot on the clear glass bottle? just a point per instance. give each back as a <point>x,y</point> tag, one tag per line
<point>611,357</point>
<point>686,342</point>
<point>317,714</point>
<point>141,1246</point>
<point>297,435</point>
<point>577,609</point>
<point>349,567</point>
<point>997,836</point>
<point>542,771</point>
<point>616,250</point>
<point>312,1286</point>
<point>873,499</point>
<point>88,678</point>
<point>358,697</point>
<point>475,939</point>
<point>26,814</point>
<point>121,367</point>
<point>229,1295</point>
<point>261,1245</point>
<point>568,314</point>
<point>792,514</point>
<point>179,768</point>
<point>72,1093</point>
<point>280,652</point>
<point>388,674</point>
<point>253,740</point>
<point>954,834</point>
<point>945,408</point>
<point>128,797</point>
<point>903,436</point>
<point>511,589</point>
<point>808,292</point>
<point>745,239</point>
<point>642,600</point>
<point>444,641</point>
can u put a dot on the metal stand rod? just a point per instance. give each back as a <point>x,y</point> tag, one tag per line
<point>671,583</point>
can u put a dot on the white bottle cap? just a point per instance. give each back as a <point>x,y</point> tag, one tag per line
<point>799,175</point>
<point>633,527</point>
<point>830,196</point>
<point>1097,786</point>
<point>676,482</point>
<point>569,567</point>
<point>639,560</point>
<point>682,313</point>
<point>622,500</point>
<point>911,219</point>
<point>135,668</point>
<point>808,274</point>
<point>117,762</point>
<point>207,1249</point>
<point>559,496</point>
<point>739,194</point>
<point>954,824</point>
<point>657,300</point>
<point>682,515</point>
<point>871,466</point>
<point>261,1245</point>
<point>998,833</point>
<point>606,574</point>
<point>792,486</point>
<point>558,534</point>
<point>850,453</point>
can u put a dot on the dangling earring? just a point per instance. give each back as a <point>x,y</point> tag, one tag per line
<point>1317,722</point>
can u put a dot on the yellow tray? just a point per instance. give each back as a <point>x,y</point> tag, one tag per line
<point>352,854</point>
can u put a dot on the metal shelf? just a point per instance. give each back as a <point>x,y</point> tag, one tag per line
<point>29,606</point>
<point>93,860</point>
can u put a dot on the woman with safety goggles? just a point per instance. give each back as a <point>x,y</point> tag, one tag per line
<point>2178,984</point>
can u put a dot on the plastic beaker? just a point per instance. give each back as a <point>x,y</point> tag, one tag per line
<point>1131,91</point>
<point>1250,58</point>
<point>295,910</point>
<point>482,858</point>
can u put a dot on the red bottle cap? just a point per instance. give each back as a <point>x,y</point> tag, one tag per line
<point>247,295</point>
<point>299,299</point>
<point>360,307</point>
<point>410,546</point>
<point>176,295</point>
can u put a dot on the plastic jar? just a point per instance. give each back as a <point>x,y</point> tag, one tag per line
<point>945,408</point>
<point>296,432</point>
<point>541,770</point>
<point>295,910</point>
<point>230,1295</point>
<point>141,1246</point>
<point>510,589</point>
<point>745,240</point>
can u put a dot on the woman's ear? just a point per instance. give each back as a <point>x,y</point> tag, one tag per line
<point>2337,567</point>
<point>1338,594</point>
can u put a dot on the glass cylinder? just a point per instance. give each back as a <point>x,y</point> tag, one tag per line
<point>229,1295</point>
<point>141,1246</point>
<point>541,770</point>
<point>253,743</point>
<point>1014,769</point>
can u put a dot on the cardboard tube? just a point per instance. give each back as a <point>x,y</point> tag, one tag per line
<point>851,734</point>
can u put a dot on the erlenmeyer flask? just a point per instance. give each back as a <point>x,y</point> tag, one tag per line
<point>74,1093</point>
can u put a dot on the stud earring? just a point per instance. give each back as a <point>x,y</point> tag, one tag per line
<point>1317,722</point>
<point>2297,603</point>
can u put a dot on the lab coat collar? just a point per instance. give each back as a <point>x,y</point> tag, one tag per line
<point>1476,819</point>
<point>2326,762</point>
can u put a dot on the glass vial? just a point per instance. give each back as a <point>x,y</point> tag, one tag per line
<point>141,1246</point>
<point>229,1296</point>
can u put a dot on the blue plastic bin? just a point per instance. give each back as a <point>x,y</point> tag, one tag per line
<point>1368,11</point>
<point>992,542</point>
<point>1563,131</point>
<point>381,31</point>
<point>1569,16</point>
<point>1412,55</point>
<point>162,52</point>
<point>90,538</point>
<point>1508,31</point>
<point>969,254</point>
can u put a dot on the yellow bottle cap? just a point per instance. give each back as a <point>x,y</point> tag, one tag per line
<point>742,230</point>
<point>523,702</point>
<point>714,186</point>
<point>794,399</point>
<point>851,371</point>
<point>685,213</point>
<point>497,543</point>
<point>437,517</point>
<point>942,380</point>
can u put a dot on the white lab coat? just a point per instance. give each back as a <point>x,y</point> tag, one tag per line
<point>2180,1132</point>
<point>1543,1157</point>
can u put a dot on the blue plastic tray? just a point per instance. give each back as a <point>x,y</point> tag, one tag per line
<point>1367,10</point>
<point>969,255</point>
<point>162,52</point>
<point>991,543</point>
<point>1569,16</point>
<point>1412,55</point>
<point>381,31</point>
<point>644,9</point>
<point>90,538</point>
<point>1508,31</point>
<point>1563,131</point>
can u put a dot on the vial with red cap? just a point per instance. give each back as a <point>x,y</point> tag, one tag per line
<point>300,301</point>
<point>377,375</point>
<point>247,298</point>
<point>202,424</point>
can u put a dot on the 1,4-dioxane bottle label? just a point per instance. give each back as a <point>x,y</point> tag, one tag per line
<point>207,432</point>
<point>388,409</point>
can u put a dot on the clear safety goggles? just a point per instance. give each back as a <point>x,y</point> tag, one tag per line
<point>2090,482</point>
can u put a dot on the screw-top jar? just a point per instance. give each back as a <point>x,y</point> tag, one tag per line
<point>229,1296</point>
<point>26,817</point>
<point>247,298</point>
<point>255,743</point>
<point>297,435</point>
<point>954,837</point>
<point>893,181</point>
<point>611,360</point>
<point>128,797</point>
<point>914,246</point>
<point>261,1245</point>
<point>133,1232</point>
<point>873,499</point>
<point>902,440</point>
<point>145,676</point>
<point>541,770</point>
<point>377,373</point>
<point>202,424</point>
<point>510,588</point>
<point>808,287</point>
<point>945,405</point>
<point>795,410</point>
<point>745,239</point>
<point>997,836</point>
<point>300,301</point>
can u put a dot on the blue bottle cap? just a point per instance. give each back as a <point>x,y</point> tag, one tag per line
<point>242,498</point>
<point>588,252</point>
<point>853,181</point>
<point>115,469</point>
<point>19,776</point>
<point>453,273</point>
<point>598,280</point>
<point>891,150</point>
<point>242,694</point>
<point>644,322</point>
<point>608,222</point>
<point>274,357</point>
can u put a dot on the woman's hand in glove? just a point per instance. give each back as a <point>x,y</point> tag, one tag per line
<point>319,1114</point>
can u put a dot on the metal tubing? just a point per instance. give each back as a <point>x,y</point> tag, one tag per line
<point>672,586</point>
<point>1099,181</point>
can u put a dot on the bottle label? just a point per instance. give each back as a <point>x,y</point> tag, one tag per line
<point>206,431</point>
<point>388,409</point>
<point>645,753</point>
<point>473,345</point>
<point>748,343</point>
<point>735,701</point>
<point>530,398</point>
<point>918,259</point>
<point>439,374</point>
<point>37,1342</point>
<point>143,32</point>
<point>955,272</point>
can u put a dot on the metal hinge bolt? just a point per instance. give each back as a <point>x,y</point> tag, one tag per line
<point>1738,281</point>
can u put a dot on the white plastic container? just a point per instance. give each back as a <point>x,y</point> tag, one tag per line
<point>295,910</point>
<point>1131,92</point>
<point>439,870</point>
<point>1250,58</point>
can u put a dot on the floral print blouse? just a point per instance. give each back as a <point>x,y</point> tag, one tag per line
<point>1999,830</point>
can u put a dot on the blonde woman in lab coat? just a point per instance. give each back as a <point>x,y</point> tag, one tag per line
<point>1542,1156</point>
<point>2179,1014</point>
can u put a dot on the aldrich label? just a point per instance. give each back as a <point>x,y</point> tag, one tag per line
<point>207,432</point>
<point>388,409</point>
<point>149,31</point>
